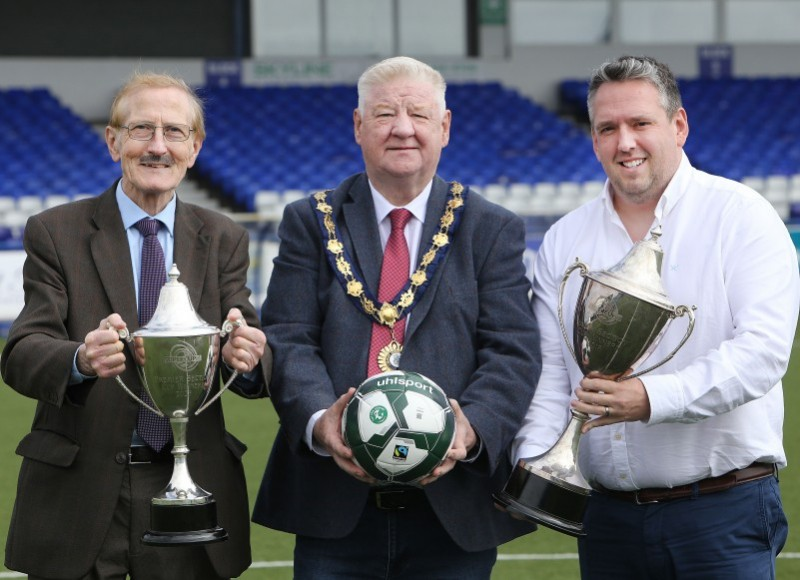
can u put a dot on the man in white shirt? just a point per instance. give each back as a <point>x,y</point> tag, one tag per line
<point>683,460</point>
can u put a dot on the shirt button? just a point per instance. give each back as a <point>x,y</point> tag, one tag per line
<point>618,437</point>
<point>121,457</point>
<point>623,476</point>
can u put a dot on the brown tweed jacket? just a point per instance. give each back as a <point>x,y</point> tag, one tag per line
<point>78,271</point>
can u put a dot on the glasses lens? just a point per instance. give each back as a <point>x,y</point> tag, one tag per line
<point>145,132</point>
<point>177,132</point>
<point>141,132</point>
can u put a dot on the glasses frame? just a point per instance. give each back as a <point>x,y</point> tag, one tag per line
<point>163,131</point>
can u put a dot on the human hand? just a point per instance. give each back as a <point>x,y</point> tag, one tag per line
<point>464,440</point>
<point>328,434</point>
<point>612,401</point>
<point>245,345</point>
<point>101,353</point>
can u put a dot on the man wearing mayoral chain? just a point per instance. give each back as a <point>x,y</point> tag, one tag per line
<point>459,315</point>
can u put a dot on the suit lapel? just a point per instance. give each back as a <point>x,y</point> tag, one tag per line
<point>191,251</point>
<point>433,212</point>
<point>109,249</point>
<point>360,227</point>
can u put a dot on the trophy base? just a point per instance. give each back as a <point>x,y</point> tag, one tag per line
<point>179,525</point>
<point>545,500</point>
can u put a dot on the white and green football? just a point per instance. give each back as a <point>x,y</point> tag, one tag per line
<point>399,425</point>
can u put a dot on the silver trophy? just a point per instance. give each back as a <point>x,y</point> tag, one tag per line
<point>621,315</point>
<point>176,355</point>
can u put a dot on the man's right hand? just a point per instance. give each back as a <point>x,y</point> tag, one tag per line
<point>101,353</point>
<point>328,434</point>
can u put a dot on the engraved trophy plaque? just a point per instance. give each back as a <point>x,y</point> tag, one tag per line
<point>176,357</point>
<point>621,315</point>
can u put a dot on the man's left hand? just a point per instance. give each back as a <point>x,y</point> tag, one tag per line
<point>611,401</point>
<point>245,345</point>
<point>464,441</point>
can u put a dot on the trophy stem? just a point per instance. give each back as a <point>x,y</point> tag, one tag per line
<point>181,489</point>
<point>183,512</point>
<point>549,489</point>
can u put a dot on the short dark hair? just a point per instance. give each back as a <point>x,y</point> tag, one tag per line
<point>629,68</point>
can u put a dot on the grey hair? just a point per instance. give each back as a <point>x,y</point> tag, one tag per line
<point>151,80</point>
<point>400,67</point>
<point>645,68</point>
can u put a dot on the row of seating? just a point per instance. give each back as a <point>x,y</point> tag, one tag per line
<point>269,145</point>
<point>47,149</point>
<point>738,127</point>
<point>292,138</point>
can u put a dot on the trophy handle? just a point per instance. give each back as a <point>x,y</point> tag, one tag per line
<point>679,311</point>
<point>584,270</point>
<point>227,327</point>
<point>125,335</point>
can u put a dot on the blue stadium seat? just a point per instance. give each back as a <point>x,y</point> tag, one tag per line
<point>279,138</point>
<point>283,138</point>
<point>48,148</point>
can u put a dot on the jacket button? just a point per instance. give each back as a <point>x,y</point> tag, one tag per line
<point>121,457</point>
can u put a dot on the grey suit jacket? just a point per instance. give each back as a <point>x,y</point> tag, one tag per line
<point>473,333</point>
<point>77,271</point>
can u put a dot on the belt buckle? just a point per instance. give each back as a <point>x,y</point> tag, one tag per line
<point>640,501</point>
<point>131,460</point>
<point>391,506</point>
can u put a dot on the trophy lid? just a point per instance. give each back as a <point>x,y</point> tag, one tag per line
<point>174,314</point>
<point>639,272</point>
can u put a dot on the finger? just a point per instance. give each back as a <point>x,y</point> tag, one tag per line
<point>113,321</point>
<point>344,399</point>
<point>588,408</point>
<point>446,466</point>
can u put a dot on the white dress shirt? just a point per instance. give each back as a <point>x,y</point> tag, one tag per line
<point>718,404</point>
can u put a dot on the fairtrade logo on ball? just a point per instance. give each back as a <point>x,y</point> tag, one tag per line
<point>399,425</point>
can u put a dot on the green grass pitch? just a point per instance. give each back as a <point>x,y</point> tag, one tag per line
<point>255,423</point>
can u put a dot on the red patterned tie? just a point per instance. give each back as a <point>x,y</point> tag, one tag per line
<point>153,429</point>
<point>394,275</point>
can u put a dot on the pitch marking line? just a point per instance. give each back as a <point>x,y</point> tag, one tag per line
<point>500,558</point>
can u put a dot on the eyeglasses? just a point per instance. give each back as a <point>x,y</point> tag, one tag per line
<point>146,131</point>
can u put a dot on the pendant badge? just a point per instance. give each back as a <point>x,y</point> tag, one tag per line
<point>389,357</point>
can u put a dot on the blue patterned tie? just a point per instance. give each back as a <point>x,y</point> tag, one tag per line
<point>153,429</point>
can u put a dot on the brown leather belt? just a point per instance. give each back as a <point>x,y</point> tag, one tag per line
<point>709,485</point>
<point>394,499</point>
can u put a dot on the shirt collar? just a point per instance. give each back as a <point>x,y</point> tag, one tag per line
<point>675,190</point>
<point>132,213</point>
<point>417,206</point>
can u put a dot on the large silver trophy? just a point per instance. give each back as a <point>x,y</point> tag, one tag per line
<point>176,356</point>
<point>621,315</point>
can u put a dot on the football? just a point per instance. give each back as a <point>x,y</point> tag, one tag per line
<point>399,426</point>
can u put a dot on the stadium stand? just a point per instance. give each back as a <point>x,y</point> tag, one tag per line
<point>270,141</point>
<point>744,129</point>
<point>267,146</point>
<point>50,155</point>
